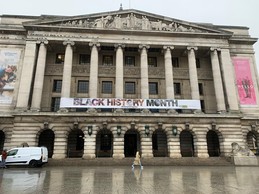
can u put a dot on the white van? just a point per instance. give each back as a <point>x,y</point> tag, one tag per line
<point>32,156</point>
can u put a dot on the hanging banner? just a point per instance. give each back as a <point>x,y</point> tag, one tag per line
<point>129,103</point>
<point>244,81</point>
<point>9,60</point>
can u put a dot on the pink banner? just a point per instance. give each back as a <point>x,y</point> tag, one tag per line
<point>244,81</point>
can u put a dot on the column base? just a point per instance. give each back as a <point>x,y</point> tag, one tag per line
<point>172,111</point>
<point>63,110</point>
<point>198,112</point>
<point>34,110</point>
<point>145,111</point>
<point>119,110</point>
<point>89,156</point>
<point>92,111</point>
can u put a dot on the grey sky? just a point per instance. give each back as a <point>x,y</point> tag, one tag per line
<point>220,12</point>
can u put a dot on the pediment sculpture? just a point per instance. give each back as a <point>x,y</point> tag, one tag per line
<point>131,22</point>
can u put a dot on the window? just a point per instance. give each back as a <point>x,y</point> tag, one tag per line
<point>198,63</point>
<point>129,61</point>
<point>129,87</point>
<point>153,88</point>
<point>177,88</point>
<point>175,62</point>
<point>202,106</point>
<point>200,89</point>
<point>82,86</point>
<point>84,59</point>
<point>57,85</point>
<point>107,87</point>
<point>152,62</point>
<point>12,152</point>
<point>55,102</point>
<point>107,60</point>
<point>60,57</point>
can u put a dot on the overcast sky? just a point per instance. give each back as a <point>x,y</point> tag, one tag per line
<point>219,12</point>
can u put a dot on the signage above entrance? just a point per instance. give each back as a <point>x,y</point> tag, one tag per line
<point>129,103</point>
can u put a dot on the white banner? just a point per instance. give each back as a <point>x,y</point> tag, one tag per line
<point>129,103</point>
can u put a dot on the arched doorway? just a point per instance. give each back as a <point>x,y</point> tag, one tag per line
<point>46,139</point>
<point>186,144</point>
<point>252,141</point>
<point>75,145</point>
<point>2,140</point>
<point>213,144</point>
<point>104,143</point>
<point>131,143</point>
<point>159,143</point>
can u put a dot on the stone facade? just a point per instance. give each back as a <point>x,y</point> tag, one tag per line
<point>140,56</point>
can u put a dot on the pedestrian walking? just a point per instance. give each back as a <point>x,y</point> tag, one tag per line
<point>4,156</point>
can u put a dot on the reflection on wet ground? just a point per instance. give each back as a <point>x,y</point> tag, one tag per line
<point>152,179</point>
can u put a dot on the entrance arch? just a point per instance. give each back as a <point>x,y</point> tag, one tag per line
<point>186,144</point>
<point>46,139</point>
<point>131,143</point>
<point>2,140</point>
<point>213,144</point>
<point>75,144</point>
<point>159,143</point>
<point>104,143</point>
<point>253,141</point>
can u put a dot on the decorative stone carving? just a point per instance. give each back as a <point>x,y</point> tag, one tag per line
<point>54,70</point>
<point>130,21</point>
<point>237,150</point>
<point>110,70</point>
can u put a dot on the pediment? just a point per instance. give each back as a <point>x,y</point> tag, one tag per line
<point>127,20</point>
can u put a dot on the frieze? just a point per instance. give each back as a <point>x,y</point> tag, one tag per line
<point>81,69</point>
<point>54,70</point>
<point>184,73</point>
<point>132,71</point>
<point>130,22</point>
<point>156,72</point>
<point>110,70</point>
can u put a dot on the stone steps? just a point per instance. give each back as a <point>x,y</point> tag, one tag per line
<point>185,161</point>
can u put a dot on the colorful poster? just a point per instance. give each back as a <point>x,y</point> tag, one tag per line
<point>9,59</point>
<point>129,103</point>
<point>244,81</point>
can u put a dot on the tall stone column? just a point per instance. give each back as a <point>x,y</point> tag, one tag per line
<point>144,71</point>
<point>146,144</point>
<point>67,71</point>
<point>193,73</point>
<point>119,71</point>
<point>229,81</point>
<point>26,75</point>
<point>169,80</point>
<point>39,76</point>
<point>60,143</point>
<point>93,82</point>
<point>221,107</point>
<point>118,144</point>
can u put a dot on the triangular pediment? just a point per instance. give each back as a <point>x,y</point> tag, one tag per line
<point>126,20</point>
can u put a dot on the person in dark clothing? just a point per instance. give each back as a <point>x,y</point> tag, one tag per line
<point>4,156</point>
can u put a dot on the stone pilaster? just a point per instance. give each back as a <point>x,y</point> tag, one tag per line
<point>144,71</point>
<point>39,76</point>
<point>60,143</point>
<point>119,71</point>
<point>169,80</point>
<point>146,144</point>
<point>93,80</point>
<point>229,82</point>
<point>90,144</point>
<point>67,71</point>
<point>201,143</point>
<point>193,73</point>
<point>26,75</point>
<point>221,107</point>
<point>174,145</point>
<point>118,144</point>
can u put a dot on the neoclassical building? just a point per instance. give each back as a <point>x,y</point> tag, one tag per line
<point>110,84</point>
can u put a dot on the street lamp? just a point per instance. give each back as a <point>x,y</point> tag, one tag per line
<point>90,130</point>
<point>118,130</point>
<point>174,130</point>
<point>147,130</point>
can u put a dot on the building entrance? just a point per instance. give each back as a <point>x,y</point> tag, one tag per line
<point>131,143</point>
<point>186,144</point>
<point>213,144</point>
<point>2,139</point>
<point>46,139</point>
<point>75,144</point>
<point>104,142</point>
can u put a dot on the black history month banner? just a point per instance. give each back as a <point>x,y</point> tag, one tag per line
<point>129,103</point>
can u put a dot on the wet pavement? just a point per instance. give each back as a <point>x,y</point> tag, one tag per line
<point>124,180</point>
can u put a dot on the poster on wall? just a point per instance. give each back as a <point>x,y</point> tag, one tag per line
<point>244,81</point>
<point>9,60</point>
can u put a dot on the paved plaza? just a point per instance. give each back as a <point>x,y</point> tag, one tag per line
<point>122,179</point>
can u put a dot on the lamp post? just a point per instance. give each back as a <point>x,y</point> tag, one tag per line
<point>90,130</point>
<point>147,130</point>
<point>118,130</point>
<point>174,130</point>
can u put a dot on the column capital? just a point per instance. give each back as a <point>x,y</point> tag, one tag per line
<point>72,43</point>
<point>141,46</point>
<point>195,48</point>
<point>97,44</point>
<point>42,41</point>
<point>165,47</point>
<point>117,45</point>
<point>214,49</point>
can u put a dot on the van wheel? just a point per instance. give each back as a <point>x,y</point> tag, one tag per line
<point>33,164</point>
